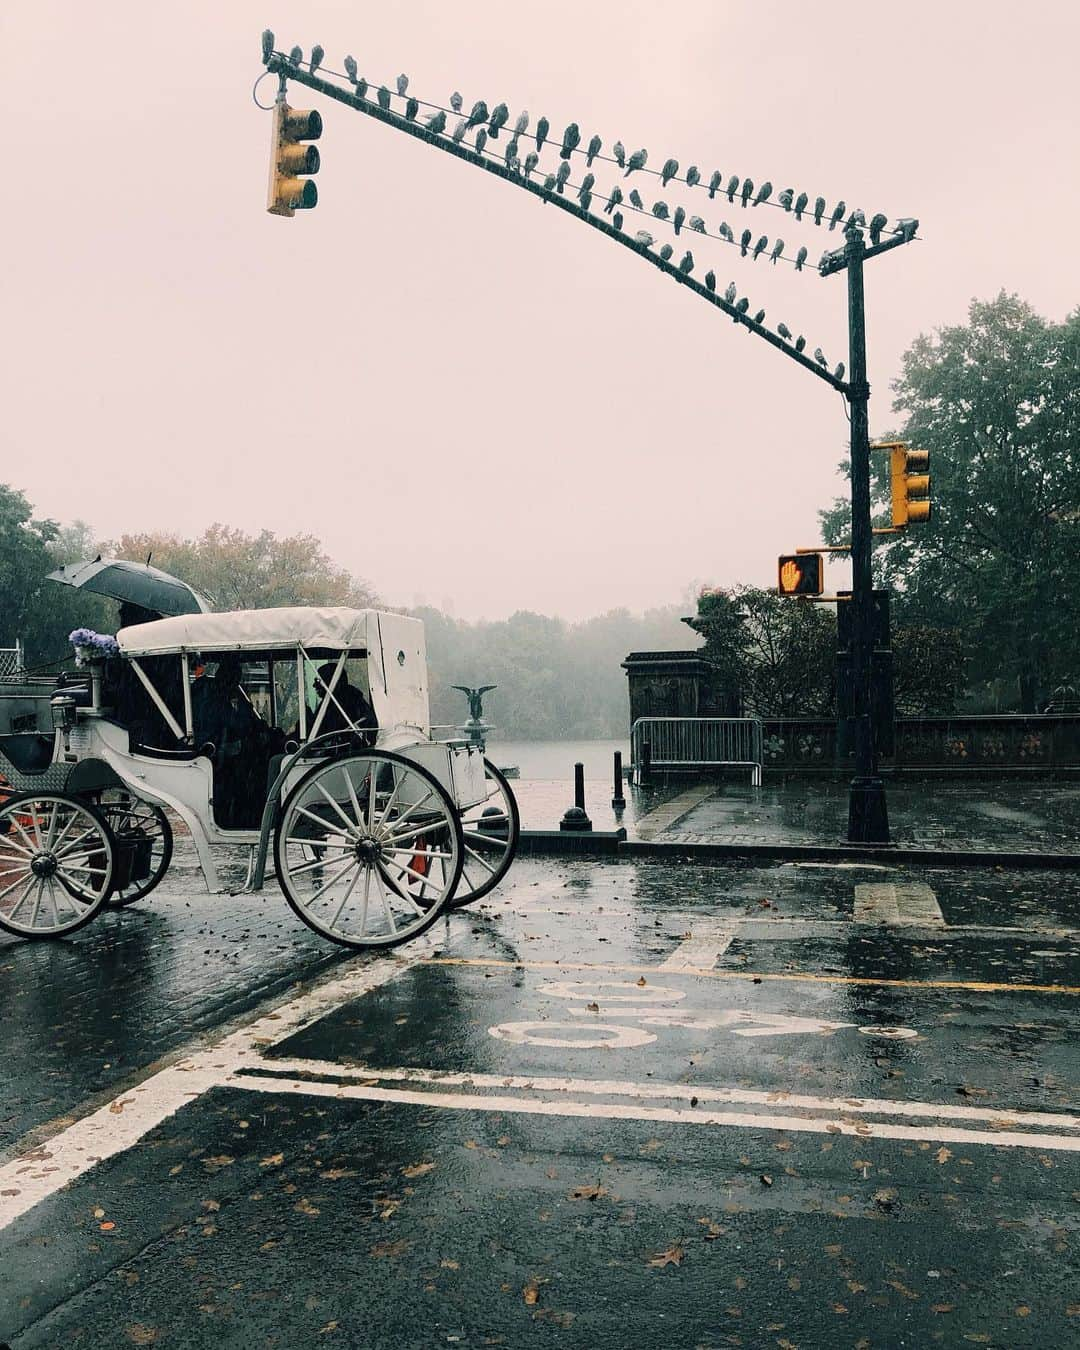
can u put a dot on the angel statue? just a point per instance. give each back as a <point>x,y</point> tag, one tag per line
<point>475,697</point>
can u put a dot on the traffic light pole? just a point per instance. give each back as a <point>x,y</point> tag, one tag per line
<point>868,818</point>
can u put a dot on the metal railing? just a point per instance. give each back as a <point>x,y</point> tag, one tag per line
<point>697,743</point>
<point>12,662</point>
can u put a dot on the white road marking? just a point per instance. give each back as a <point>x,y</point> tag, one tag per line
<point>709,939</point>
<point>540,1033</point>
<point>740,1021</point>
<point>897,904</point>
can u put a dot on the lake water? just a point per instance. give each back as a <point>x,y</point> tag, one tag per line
<point>556,759</point>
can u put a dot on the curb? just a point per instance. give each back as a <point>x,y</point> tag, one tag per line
<point>572,843</point>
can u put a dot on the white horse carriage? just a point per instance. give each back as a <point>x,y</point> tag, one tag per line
<point>302,728</point>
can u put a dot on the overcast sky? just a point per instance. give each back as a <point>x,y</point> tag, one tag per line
<point>472,400</point>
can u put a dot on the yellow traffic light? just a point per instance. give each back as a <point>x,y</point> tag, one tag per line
<point>910,484</point>
<point>801,574</point>
<point>290,158</point>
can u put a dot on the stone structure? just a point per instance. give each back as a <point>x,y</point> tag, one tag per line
<point>675,684</point>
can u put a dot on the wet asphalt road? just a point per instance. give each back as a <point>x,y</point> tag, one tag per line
<point>645,1104</point>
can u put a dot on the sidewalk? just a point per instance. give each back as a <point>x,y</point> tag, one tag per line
<point>1012,819</point>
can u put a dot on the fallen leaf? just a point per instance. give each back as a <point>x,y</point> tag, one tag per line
<point>304,1206</point>
<point>336,1173</point>
<point>219,1160</point>
<point>901,1289</point>
<point>587,1193</point>
<point>531,1293</point>
<point>942,1307</point>
<point>943,1154</point>
<point>330,1326</point>
<point>117,1107</point>
<point>447,1264</point>
<point>592,1007</point>
<point>1023,1310</point>
<point>642,982</point>
<point>212,1205</point>
<point>765,1180</point>
<point>418,1169</point>
<point>672,1256</point>
<point>274,1160</point>
<point>107,1226</point>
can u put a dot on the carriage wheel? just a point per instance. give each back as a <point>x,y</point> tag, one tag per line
<point>130,815</point>
<point>368,849</point>
<point>491,831</point>
<point>56,864</point>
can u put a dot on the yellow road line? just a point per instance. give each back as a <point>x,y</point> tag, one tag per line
<point>975,986</point>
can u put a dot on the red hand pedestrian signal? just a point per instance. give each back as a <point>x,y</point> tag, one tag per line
<point>801,574</point>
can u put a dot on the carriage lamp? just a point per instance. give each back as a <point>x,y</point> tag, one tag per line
<point>63,712</point>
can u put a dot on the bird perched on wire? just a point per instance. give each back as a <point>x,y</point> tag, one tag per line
<point>562,173</point>
<point>725,232</point>
<point>800,205</point>
<point>838,214</point>
<point>686,265</point>
<point>907,227</point>
<point>838,373</point>
<point>819,357</point>
<point>819,209</point>
<point>498,120</point>
<point>668,172</point>
<point>693,176</point>
<point>678,218</point>
<point>350,68</point>
<point>777,250</point>
<point>587,183</point>
<point>616,220</point>
<point>619,151</point>
<point>786,197</point>
<point>764,192</point>
<point>521,123</point>
<point>825,258</point>
<point>666,251</point>
<point>730,293</point>
<point>637,160</point>
<point>744,242</point>
<point>479,114</point>
<point>542,129</point>
<point>714,183</point>
<point>644,238</point>
<point>511,156</point>
<point>710,280</point>
<point>403,85</point>
<point>296,55</point>
<point>800,258</point>
<point>531,161</point>
<point>593,150</point>
<point>570,140</point>
<point>459,132</point>
<point>361,88</point>
<point>784,331</point>
<point>760,247</point>
<point>759,317</point>
<point>437,123</point>
<point>696,223</point>
<point>456,101</point>
<point>412,107</point>
<point>800,343</point>
<point>549,183</point>
<point>268,45</point>
<point>747,188</point>
<point>742,306</point>
<point>856,218</point>
<point>585,198</point>
<point>481,141</point>
<point>383,97</point>
<point>877,224</point>
<point>660,210</point>
<point>635,199</point>
<point>613,200</point>
<point>732,187</point>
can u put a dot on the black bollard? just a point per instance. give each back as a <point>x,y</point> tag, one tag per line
<point>575,817</point>
<point>618,801</point>
<point>645,767</point>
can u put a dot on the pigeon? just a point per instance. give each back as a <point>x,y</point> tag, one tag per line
<point>613,200</point>
<point>268,48</point>
<point>693,176</point>
<point>479,114</point>
<point>744,242</point>
<point>686,266</point>
<point>819,209</point>
<point>800,205</point>
<point>730,293</point>
<point>800,258</point>
<point>725,232</point>
<point>800,343</point>
<point>784,331</point>
<point>823,260</point>
<point>732,187</point>
<point>777,250</point>
<point>296,56</point>
<point>619,151</point>
<point>531,161</point>
<point>403,85</point>
<point>617,220</point>
<point>907,228</point>
<point>549,183</point>
<point>635,199</point>
<point>666,251</point>
<point>747,188</point>
<point>412,107</point>
<point>786,197</point>
<point>521,124</point>
<point>587,183</point>
<point>585,198</point>
<point>856,218</point>
<point>350,68</point>
<point>696,223</point>
<point>384,98</point>
<point>437,123</point>
<point>361,88</point>
<point>764,192</point>
<point>459,131</point>
<point>714,183</point>
<point>660,210</point>
<point>541,133</point>
<point>593,150</point>
<point>838,373</point>
<point>742,306</point>
<point>644,238</point>
<point>819,357</point>
<point>668,172</point>
<point>838,214</point>
<point>760,247</point>
<point>481,141</point>
<point>562,173</point>
<point>498,120</point>
<point>678,218</point>
<point>570,139</point>
<point>759,317</point>
<point>636,161</point>
<point>456,101</point>
<point>710,281</point>
<point>511,156</point>
<point>877,224</point>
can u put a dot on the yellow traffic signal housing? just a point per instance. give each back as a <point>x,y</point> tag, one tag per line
<point>290,158</point>
<point>801,574</point>
<point>910,484</point>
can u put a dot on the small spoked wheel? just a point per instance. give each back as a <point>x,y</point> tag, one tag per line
<point>57,857</point>
<point>143,832</point>
<point>368,849</point>
<point>490,831</point>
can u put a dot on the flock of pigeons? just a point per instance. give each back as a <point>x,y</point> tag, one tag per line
<point>488,123</point>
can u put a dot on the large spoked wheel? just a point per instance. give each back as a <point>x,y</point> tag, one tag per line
<point>142,828</point>
<point>57,858</point>
<point>368,849</point>
<point>491,831</point>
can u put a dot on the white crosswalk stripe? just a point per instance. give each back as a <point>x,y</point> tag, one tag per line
<point>897,904</point>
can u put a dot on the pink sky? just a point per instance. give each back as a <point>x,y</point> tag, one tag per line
<point>470,399</point>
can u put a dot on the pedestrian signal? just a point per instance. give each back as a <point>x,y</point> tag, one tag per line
<point>909,483</point>
<point>801,574</point>
<point>290,159</point>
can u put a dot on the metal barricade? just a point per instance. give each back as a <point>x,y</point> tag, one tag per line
<point>12,662</point>
<point>674,743</point>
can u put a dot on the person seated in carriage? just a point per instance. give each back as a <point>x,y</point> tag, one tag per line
<point>224,717</point>
<point>347,706</point>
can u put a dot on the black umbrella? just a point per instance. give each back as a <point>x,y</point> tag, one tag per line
<point>134,583</point>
